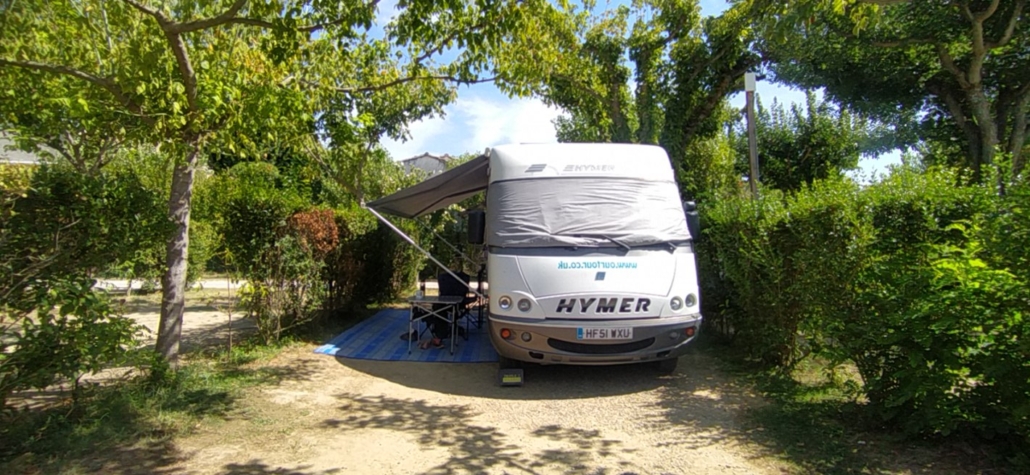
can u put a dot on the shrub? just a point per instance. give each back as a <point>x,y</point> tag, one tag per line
<point>74,330</point>
<point>286,289</point>
<point>776,264</point>
<point>371,264</point>
<point>919,282</point>
<point>59,231</point>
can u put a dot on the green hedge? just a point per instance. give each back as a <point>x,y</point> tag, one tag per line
<point>371,263</point>
<point>920,283</point>
<point>59,229</point>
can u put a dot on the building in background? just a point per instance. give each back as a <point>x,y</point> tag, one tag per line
<point>431,164</point>
<point>12,156</point>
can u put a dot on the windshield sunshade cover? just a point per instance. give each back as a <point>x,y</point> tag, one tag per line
<point>582,211</point>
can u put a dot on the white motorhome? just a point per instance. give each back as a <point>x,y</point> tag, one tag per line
<point>590,257</point>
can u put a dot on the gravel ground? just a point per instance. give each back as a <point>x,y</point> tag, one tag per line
<point>323,415</point>
<point>331,415</point>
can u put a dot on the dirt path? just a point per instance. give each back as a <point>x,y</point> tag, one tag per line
<point>206,322</point>
<point>329,415</point>
<point>347,416</point>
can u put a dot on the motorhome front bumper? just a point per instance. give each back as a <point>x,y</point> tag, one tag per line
<point>563,342</point>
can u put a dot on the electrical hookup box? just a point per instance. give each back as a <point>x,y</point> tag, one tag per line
<point>510,377</point>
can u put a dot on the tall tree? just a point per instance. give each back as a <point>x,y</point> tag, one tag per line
<point>209,74</point>
<point>963,62</point>
<point>660,81</point>
<point>799,145</point>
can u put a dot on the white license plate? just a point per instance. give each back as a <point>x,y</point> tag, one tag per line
<point>604,333</point>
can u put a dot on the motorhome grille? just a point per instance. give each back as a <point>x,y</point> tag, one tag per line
<point>585,349</point>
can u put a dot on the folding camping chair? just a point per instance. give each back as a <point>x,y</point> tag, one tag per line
<point>449,286</point>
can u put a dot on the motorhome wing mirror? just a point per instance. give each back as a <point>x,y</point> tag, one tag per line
<point>477,226</point>
<point>693,220</point>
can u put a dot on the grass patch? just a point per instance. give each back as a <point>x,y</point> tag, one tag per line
<point>816,420</point>
<point>130,425</point>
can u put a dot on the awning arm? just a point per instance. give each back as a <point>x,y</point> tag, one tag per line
<point>452,246</point>
<point>423,251</point>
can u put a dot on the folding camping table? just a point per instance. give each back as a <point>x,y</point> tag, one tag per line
<point>448,306</point>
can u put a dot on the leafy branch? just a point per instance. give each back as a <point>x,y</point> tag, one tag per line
<point>229,17</point>
<point>105,83</point>
<point>407,79</point>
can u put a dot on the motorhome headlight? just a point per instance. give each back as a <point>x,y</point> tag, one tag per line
<point>676,303</point>
<point>525,305</point>
<point>691,300</point>
<point>504,302</point>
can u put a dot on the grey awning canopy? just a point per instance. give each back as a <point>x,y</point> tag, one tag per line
<point>437,192</point>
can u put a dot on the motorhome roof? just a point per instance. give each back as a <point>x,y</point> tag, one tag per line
<point>513,162</point>
<point>524,161</point>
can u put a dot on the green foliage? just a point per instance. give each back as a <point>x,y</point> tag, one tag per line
<point>61,229</point>
<point>769,264</point>
<point>14,182</point>
<point>712,171</point>
<point>253,209</point>
<point>683,67</point>
<point>1008,230</point>
<point>287,288</point>
<point>74,331</point>
<point>372,264</point>
<point>249,208</point>
<point>910,279</point>
<point>947,73</point>
<point>239,77</point>
<point>150,409</point>
<point>798,146</point>
<point>68,223</point>
<point>152,169</point>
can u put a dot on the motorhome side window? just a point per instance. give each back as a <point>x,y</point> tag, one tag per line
<point>584,212</point>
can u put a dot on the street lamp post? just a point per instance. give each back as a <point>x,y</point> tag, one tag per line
<point>752,135</point>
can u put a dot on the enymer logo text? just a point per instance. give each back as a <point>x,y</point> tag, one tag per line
<point>589,168</point>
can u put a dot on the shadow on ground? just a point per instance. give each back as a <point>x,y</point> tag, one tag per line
<point>541,382</point>
<point>800,424</point>
<point>255,467</point>
<point>704,403</point>
<point>478,448</point>
<point>130,427</point>
<point>104,436</point>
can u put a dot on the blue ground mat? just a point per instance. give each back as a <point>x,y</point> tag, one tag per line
<point>379,338</point>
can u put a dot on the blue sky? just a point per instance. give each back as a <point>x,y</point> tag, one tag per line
<point>482,116</point>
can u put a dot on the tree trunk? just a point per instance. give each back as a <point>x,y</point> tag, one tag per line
<point>620,124</point>
<point>173,284</point>
<point>1017,139</point>
<point>981,109</point>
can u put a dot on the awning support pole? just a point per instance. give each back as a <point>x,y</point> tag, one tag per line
<point>452,246</point>
<point>423,251</point>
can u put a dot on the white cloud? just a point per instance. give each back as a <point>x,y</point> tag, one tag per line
<point>492,123</point>
<point>386,11</point>
<point>475,123</point>
<point>420,132</point>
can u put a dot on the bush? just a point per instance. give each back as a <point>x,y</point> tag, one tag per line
<point>58,232</point>
<point>304,250</point>
<point>371,264</point>
<point>776,264</point>
<point>286,289</point>
<point>918,282</point>
<point>74,331</point>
